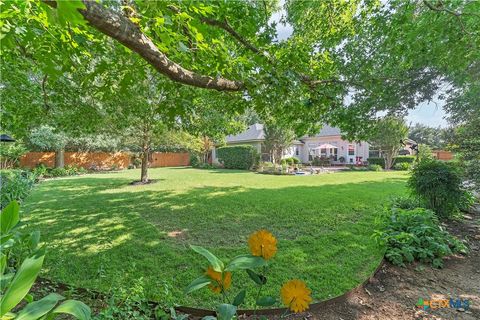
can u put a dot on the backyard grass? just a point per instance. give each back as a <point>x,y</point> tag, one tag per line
<point>103,233</point>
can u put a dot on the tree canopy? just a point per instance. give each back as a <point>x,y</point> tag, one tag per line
<point>343,63</point>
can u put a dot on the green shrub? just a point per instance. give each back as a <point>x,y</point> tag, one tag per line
<point>402,166</point>
<point>375,167</point>
<point>40,170</point>
<point>15,185</point>
<point>399,159</point>
<point>194,160</point>
<point>416,235</point>
<point>290,161</point>
<point>406,202</point>
<point>404,159</point>
<point>238,157</point>
<point>439,185</point>
<point>376,161</point>
<point>10,154</point>
<point>58,172</point>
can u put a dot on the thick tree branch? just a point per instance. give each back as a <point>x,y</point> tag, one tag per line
<point>120,28</point>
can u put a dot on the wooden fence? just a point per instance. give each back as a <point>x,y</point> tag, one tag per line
<point>442,155</point>
<point>103,160</point>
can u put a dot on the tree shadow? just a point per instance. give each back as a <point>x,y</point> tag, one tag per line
<point>103,232</point>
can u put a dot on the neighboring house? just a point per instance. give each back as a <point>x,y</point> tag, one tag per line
<point>307,147</point>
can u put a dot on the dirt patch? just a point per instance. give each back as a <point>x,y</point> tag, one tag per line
<point>140,183</point>
<point>394,292</point>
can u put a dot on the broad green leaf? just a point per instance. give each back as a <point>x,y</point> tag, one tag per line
<point>257,278</point>
<point>34,239</point>
<point>9,217</point>
<point>245,262</point>
<point>216,263</point>
<point>75,308</point>
<point>197,284</point>
<point>209,318</point>
<point>266,301</point>
<point>39,308</point>
<point>22,282</point>
<point>5,280</point>
<point>3,263</point>
<point>68,12</point>
<point>226,311</point>
<point>239,298</point>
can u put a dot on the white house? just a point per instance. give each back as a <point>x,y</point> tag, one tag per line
<point>327,143</point>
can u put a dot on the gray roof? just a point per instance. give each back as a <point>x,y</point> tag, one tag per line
<point>255,133</point>
<point>328,131</point>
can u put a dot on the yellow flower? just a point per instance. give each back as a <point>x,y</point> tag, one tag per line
<point>263,244</point>
<point>296,295</point>
<point>220,281</point>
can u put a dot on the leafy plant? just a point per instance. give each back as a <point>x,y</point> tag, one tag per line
<point>15,185</point>
<point>218,276</point>
<point>439,185</point>
<point>10,154</point>
<point>238,157</point>
<point>415,234</point>
<point>19,276</point>
<point>402,166</point>
<point>375,167</point>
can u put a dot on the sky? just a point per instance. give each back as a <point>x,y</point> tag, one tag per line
<point>428,113</point>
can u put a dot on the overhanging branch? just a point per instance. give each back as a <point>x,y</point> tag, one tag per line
<point>127,33</point>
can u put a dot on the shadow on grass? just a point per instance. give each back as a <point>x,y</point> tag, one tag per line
<point>103,232</point>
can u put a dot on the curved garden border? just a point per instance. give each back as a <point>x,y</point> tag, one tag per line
<point>199,312</point>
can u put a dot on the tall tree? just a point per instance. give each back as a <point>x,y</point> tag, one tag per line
<point>277,139</point>
<point>388,136</point>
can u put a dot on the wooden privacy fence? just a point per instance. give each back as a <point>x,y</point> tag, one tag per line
<point>169,159</point>
<point>442,155</point>
<point>103,160</point>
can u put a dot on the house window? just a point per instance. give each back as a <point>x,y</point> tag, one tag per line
<point>297,151</point>
<point>351,150</point>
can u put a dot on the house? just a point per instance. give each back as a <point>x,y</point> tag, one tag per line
<point>328,143</point>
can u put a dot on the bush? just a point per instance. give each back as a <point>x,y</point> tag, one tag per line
<point>58,172</point>
<point>376,161</point>
<point>399,159</point>
<point>290,161</point>
<point>406,203</point>
<point>194,160</point>
<point>10,154</point>
<point>15,185</point>
<point>40,170</point>
<point>404,159</point>
<point>439,185</point>
<point>416,235</point>
<point>375,167</point>
<point>402,166</point>
<point>238,157</point>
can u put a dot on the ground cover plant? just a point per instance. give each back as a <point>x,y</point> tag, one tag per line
<point>415,234</point>
<point>105,233</point>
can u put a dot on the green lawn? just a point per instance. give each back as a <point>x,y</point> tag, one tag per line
<point>102,232</point>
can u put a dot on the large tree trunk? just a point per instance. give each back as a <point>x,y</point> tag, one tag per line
<point>60,158</point>
<point>119,27</point>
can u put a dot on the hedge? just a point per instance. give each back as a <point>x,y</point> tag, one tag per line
<point>238,157</point>
<point>399,159</point>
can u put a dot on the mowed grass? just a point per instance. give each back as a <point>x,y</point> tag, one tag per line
<point>103,233</point>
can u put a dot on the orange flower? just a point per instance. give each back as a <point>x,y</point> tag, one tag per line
<point>220,281</point>
<point>295,295</point>
<point>263,244</point>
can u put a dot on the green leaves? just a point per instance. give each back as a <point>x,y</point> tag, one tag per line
<point>216,263</point>
<point>239,298</point>
<point>247,261</point>
<point>226,311</point>
<point>75,308</point>
<point>266,301</point>
<point>68,12</point>
<point>9,217</point>
<point>197,284</point>
<point>257,278</point>
<point>37,309</point>
<point>22,282</point>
